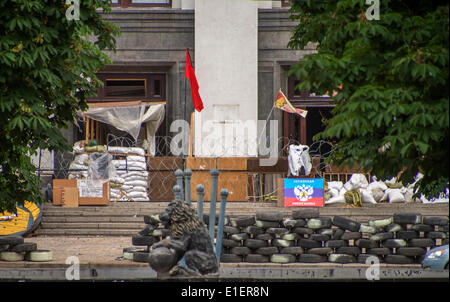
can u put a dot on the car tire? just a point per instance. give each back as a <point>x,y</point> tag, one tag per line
<point>421,242</point>
<point>243,221</point>
<point>306,213</point>
<point>294,250</point>
<point>11,240</point>
<point>255,243</point>
<point>367,243</point>
<point>39,256</point>
<point>436,235</point>
<point>337,234</point>
<point>240,250</point>
<point>282,243</point>
<point>341,258</point>
<point>24,247</point>
<point>277,231</point>
<point>267,250</point>
<point>282,258</point>
<point>335,243</point>
<point>382,236</point>
<point>407,218</point>
<point>309,243</point>
<point>256,258</point>
<point>320,251</point>
<point>239,237</point>
<point>264,236</point>
<point>394,243</point>
<point>230,230</point>
<point>349,250</point>
<point>351,236</point>
<point>411,251</point>
<point>11,256</point>
<point>407,235</point>
<point>303,231</point>
<point>319,237</point>
<point>346,224</point>
<point>435,220</point>
<point>230,258</point>
<point>139,240</point>
<point>362,258</point>
<point>230,243</point>
<point>379,251</point>
<point>398,259</point>
<point>276,216</point>
<point>141,256</point>
<point>267,224</point>
<point>253,230</point>
<point>311,258</point>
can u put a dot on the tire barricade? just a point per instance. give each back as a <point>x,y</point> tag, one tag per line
<point>307,237</point>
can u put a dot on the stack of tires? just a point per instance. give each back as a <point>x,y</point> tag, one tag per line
<point>306,237</point>
<point>13,248</point>
<point>143,241</point>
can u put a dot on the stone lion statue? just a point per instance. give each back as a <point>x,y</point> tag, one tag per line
<point>188,238</point>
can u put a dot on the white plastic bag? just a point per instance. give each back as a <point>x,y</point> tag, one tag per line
<point>395,196</point>
<point>338,185</point>
<point>367,197</point>
<point>377,185</point>
<point>336,199</point>
<point>298,157</point>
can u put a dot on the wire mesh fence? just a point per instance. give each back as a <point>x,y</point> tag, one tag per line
<point>253,182</point>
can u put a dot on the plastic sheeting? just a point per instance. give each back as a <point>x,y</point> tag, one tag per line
<point>130,120</point>
<point>299,158</point>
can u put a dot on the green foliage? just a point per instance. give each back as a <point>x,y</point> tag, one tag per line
<point>47,70</point>
<point>392,113</point>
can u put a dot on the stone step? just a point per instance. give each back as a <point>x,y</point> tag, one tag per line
<point>86,232</point>
<point>70,219</point>
<point>92,225</point>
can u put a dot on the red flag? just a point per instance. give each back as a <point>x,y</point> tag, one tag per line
<point>189,73</point>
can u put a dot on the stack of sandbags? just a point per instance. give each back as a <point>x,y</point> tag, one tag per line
<point>13,248</point>
<point>390,191</point>
<point>133,171</point>
<point>79,167</point>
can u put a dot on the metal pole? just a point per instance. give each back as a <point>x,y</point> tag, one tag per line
<point>187,185</point>
<point>177,192</point>
<point>223,202</point>
<point>200,195</point>
<point>212,207</point>
<point>179,175</point>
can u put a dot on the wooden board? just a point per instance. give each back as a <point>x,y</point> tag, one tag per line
<point>165,163</point>
<point>234,182</point>
<point>281,166</point>
<point>232,163</point>
<point>280,192</point>
<point>201,163</point>
<point>69,197</point>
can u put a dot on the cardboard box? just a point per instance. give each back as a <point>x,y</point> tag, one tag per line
<point>90,192</point>
<point>69,197</point>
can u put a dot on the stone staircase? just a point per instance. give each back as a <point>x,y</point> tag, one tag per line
<point>126,218</point>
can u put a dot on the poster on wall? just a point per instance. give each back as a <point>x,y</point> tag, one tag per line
<point>303,192</point>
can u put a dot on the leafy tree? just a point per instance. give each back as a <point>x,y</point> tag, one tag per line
<point>47,70</point>
<point>392,110</point>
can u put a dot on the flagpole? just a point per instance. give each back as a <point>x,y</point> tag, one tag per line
<point>265,125</point>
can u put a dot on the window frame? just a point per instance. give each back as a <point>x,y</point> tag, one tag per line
<point>129,3</point>
<point>148,78</point>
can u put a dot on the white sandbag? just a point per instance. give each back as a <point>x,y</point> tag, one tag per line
<point>140,189</point>
<point>348,186</point>
<point>119,150</point>
<point>338,185</point>
<point>131,158</point>
<point>136,150</point>
<point>129,179</point>
<point>395,196</point>
<point>74,166</point>
<point>141,199</point>
<point>117,180</point>
<point>342,191</point>
<point>137,194</point>
<point>333,192</point>
<point>358,181</point>
<point>119,162</point>
<point>134,165</point>
<point>136,183</point>
<point>81,159</point>
<point>377,185</point>
<point>378,195</point>
<point>337,199</point>
<point>366,196</point>
<point>143,174</point>
<point>78,147</point>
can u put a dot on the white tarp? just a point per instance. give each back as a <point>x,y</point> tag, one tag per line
<point>130,119</point>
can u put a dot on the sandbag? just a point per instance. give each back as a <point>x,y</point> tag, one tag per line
<point>367,197</point>
<point>132,158</point>
<point>337,199</point>
<point>81,159</point>
<point>357,181</point>
<point>395,196</point>
<point>378,195</point>
<point>137,183</point>
<point>119,150</point>
<point>136,150</point>
<point>377,185</point>
<point>338,185</point>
